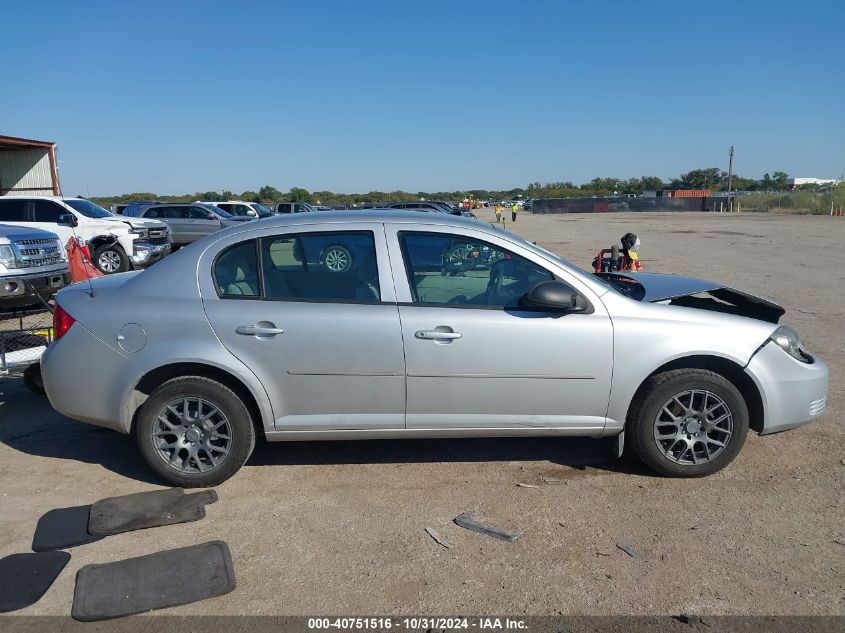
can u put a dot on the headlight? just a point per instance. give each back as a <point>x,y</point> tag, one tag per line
<point>142,234</point>
<point>787,339</point>
<point>7,257</point>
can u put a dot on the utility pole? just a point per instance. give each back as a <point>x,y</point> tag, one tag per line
<point>730,177</point>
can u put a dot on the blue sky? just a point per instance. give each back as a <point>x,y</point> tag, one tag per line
<point>174,97</point>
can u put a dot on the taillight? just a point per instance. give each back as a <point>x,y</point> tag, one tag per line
<point>62,322</point>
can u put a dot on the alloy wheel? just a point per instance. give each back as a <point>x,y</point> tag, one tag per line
<point>693,427</point>
<point>192,435</point>
<point>336,260</point>
<point>109,261</point>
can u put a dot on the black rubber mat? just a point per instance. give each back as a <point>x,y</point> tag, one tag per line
<point>62,528</point>
<point>156,581</point>
<point>147,509</point>
<point>24,578</point>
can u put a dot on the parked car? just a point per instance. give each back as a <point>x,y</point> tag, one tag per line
<point>188,221</point>
<point>238,208</point>
<point>430,206</point>
<point>32,265</point>
<point>117,243</point>
<point>228,218</point>
<point>291,207</point>
<point>502,339</point>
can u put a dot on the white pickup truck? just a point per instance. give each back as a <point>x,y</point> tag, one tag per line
<point>117,243</point>
<point>32,264</point>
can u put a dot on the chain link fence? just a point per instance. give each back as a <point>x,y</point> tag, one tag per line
<point>831,202</point>
<point>24,335</point>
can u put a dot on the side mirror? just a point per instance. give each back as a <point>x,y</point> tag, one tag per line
<point>68,219</point>
<point>554,296</point>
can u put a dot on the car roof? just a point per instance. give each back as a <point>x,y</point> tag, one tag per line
<point>364,215</point>
<point>54,198</point>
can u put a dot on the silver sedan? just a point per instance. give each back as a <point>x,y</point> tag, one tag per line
<point>378,324</point>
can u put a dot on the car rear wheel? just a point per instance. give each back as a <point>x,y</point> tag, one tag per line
<point>194,432</point>
<point>688,423</point>
<point>337,259</point>
<point>110,259</point>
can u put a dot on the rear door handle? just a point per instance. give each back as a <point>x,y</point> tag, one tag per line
<point>433,335</point>
<point>258,330</point>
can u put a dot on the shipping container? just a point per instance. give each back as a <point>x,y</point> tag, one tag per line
<point>689,193</point>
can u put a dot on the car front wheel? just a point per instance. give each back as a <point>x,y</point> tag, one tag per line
<point>194,432</point>
<point>110,259</point>
<point>688,423</point>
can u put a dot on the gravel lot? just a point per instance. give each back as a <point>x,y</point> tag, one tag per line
<point>339,527</point>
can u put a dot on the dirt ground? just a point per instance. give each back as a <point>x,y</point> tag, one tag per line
<point>338,528</point>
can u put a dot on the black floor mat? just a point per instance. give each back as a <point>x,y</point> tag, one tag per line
<point>62,528</point>
<point>156,581</point>
<point>147,509</point>
<point>24,578</point>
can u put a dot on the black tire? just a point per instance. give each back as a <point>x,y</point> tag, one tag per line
<point>110,259</point>
<point>241,431</point>
<point>657,392</point>
<point>32,379</point>
<point>336,258</point>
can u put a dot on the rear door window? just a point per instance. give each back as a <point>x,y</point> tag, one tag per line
<point>12,210</point>
<point>174,213</point>
<point>328,267</point>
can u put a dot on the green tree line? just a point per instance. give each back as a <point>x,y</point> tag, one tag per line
<point>705,178</point>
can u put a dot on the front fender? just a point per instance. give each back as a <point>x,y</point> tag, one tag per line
<point>648,336</point>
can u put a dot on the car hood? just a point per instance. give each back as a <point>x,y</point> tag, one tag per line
<point>141,223</point>
<point>22,232</point>
<point>693,293</point>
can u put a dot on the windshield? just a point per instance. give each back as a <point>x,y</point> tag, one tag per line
<point>88,208</point>
<point>261,210</point>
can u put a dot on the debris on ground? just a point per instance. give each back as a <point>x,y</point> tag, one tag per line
<point>433,534</point>
<point>630,550</point>
<point>840,540</point>
<point>527,486</point>
<point>466,520</point>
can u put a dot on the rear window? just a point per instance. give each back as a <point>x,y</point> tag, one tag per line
<point>12,210</point>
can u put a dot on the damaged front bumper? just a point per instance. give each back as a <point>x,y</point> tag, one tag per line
<point>147,254</point>
<point>793,393</point>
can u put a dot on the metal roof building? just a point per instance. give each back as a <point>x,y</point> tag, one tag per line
<point>28,167</point>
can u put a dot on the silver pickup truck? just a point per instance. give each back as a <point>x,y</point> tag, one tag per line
<point>32,264</point>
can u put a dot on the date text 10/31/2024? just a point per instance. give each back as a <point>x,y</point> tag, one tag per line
<point>417,623</point>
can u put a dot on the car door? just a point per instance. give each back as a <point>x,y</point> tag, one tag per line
<point>45,216</point>
<point>203,222</point>
<point>474,357</point>
<point>326,344</point>
<point>176,218</point>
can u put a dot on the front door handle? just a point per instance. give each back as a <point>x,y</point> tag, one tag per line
<point>433,335</point>
<point>259,330</point>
